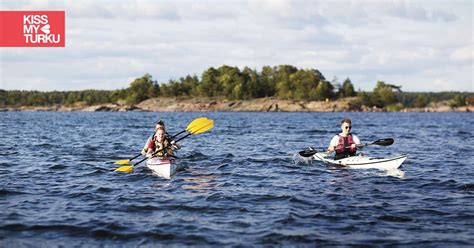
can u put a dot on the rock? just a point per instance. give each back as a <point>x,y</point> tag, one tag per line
<point>268,104</point>
<point>107,107</point>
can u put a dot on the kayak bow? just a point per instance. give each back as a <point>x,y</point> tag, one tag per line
<point>164,167</point>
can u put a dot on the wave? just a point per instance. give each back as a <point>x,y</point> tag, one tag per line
<point>4,192</point>
<point>196,156</point>
<point>315,131</point>
<point>467,187</point>
<point>58,167</point>
<point>393,218</point>
<point>108,231</point>
<point>279,238</point>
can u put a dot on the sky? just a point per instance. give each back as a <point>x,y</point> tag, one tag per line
<point>421,45</point>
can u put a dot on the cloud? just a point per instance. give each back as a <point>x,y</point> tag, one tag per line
<point>137,9</point>
<point>465,53</point>
<point>411,42</point>
<point>409,10</point>
<point>287,14</point>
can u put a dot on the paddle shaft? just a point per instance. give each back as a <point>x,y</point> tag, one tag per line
<point>135,157</point>
<point>172,137</point>
<point>357,145</point>
<point>185,136</point>
<point>197,126</point>
<point>380,142</point>
<point>152,155</point>
<point>360,145</point>
<point>310,153</point>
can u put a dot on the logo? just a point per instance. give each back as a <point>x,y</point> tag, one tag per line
<point>32,29</point>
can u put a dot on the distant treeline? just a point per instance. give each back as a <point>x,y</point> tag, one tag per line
<point>139,90</point>
<point>283,82</point>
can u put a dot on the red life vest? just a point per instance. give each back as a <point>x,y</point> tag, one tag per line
<point>345,142</point>
<point>165,146</point>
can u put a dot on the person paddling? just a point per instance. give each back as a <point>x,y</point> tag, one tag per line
<point>159,124</point>
<point>345,143</point>
<point>161,144</point>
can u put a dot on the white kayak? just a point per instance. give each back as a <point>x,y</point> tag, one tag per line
<point>163,167</point>
<point>362,162</point>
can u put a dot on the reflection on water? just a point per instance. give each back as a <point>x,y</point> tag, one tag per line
<point>394,173</point>
<point>201,183</point>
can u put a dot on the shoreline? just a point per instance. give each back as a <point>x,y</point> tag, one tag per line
<point>223,105</point>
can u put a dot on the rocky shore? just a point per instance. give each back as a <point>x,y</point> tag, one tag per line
<point>256,105</point>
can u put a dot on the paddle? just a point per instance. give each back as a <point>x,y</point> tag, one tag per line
<point>308,152</point>
<point>126,161</point>
<point>194,123</point>
<point>201,127</point>
<point>381,142</point>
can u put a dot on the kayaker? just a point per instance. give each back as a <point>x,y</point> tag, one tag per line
<point>345,143</point>
<point>159,142</point>
<point>159,124</point>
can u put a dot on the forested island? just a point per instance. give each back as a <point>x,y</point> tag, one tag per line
<point>277,88</point>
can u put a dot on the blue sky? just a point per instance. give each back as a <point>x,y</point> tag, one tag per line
<point>421,45</point>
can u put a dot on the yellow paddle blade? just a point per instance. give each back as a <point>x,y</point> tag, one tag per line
<point>197,125</point>
<point>205,126</point>
<point>123,161</point>
<point>126,168</point>
<point>196,122</point>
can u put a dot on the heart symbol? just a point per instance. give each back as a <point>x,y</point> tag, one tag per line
<point>45,29</point>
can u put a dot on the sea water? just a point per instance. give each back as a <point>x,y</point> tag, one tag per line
<point>240,186</point>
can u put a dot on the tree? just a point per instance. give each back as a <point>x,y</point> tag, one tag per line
<point>457,101</point>
<point>383,94</point>
<point>284,87</point>
<point>141,89</point>
<point>255,87</point>
<point>347,89</point>
<point>324,91</point>
<point>421,101</point>
<point>305,83</point>
<point>231,82</point>
<point>268,82</point>
<point>209,85</point>
<point>191,84</point>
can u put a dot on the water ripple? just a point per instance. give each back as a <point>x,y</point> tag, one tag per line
<point>240,186</point>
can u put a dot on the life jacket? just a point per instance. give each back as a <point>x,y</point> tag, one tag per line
<point>345,142</point>
<point>165,148</point>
